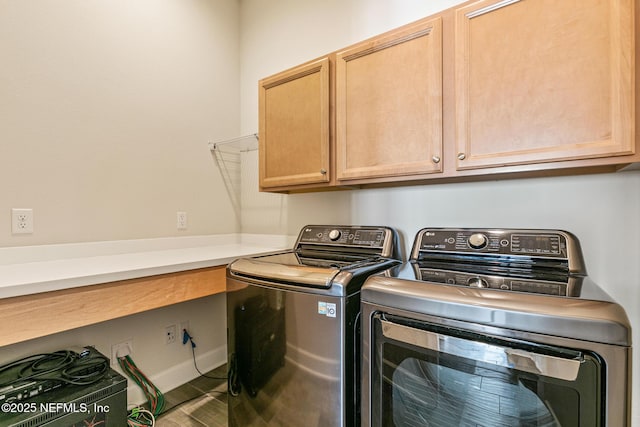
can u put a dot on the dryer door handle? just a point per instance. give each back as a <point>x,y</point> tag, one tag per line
<point>513,358</point>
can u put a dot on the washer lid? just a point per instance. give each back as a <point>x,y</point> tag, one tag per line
<point>292,269</point>
<point>284,268</point>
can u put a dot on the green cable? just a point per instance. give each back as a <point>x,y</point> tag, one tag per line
<point>154,396</point>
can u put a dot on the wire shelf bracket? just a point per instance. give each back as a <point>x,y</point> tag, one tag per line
<point>227,155</point>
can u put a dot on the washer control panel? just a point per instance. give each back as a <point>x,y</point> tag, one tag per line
<point>371,237</point>
<point>543,243</point>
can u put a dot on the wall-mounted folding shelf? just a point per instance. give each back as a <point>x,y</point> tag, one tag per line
<point>228,157</point>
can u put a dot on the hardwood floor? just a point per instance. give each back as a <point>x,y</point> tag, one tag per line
<point>199,403</point>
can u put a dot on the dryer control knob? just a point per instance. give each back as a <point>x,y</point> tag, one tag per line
<point>335,234</point>
<point>477,241</point>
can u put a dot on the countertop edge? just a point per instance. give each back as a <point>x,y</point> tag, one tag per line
<point>52,274</point>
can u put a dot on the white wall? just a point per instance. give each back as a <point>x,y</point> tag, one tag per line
<point>602,210</point>
<point>106,108</point>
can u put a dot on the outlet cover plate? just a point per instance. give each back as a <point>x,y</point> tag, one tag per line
<point>122,349</point>
<point>170,334</point>
<point>181,220</point>
<point>21,221</point>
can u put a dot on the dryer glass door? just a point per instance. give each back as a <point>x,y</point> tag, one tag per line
<point>425,374</point>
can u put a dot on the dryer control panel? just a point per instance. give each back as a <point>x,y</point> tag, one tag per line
<point>495,241</point>
<point>463,244</point>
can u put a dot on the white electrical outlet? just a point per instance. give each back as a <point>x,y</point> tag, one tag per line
<point>170,334</point>
<point>120,350</point>
<point>21,221</point>
<point>182,221</point>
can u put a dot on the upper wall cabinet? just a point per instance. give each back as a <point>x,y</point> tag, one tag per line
<point>294,126</point>
<point>483,90</point>
<point>543,80</point>
<point>389,104</point>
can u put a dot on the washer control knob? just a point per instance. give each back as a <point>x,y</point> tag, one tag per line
<point>477,241</point>
<point>335,234</point>
<point>477,282</point>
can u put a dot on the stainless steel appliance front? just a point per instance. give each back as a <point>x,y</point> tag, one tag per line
<point>293,328</point>
<point>286,359</point>
<point>449,340</point>
<point>428,370</point>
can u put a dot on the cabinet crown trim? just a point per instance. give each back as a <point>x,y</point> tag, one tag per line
<point>490,8</point>
<point>390,43</point>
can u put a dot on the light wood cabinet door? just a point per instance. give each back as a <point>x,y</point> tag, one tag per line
<point>389,104</point>
<point>294,126</point>
<point>543,80</point>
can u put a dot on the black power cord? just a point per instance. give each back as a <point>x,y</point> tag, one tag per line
<point>188,338</point>
<point>65,366</point>
<point>233,386</point>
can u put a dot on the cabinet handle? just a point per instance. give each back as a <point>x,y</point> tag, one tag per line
<point>435,159</point>
<point>323,171</point>
<point>461,156</point>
